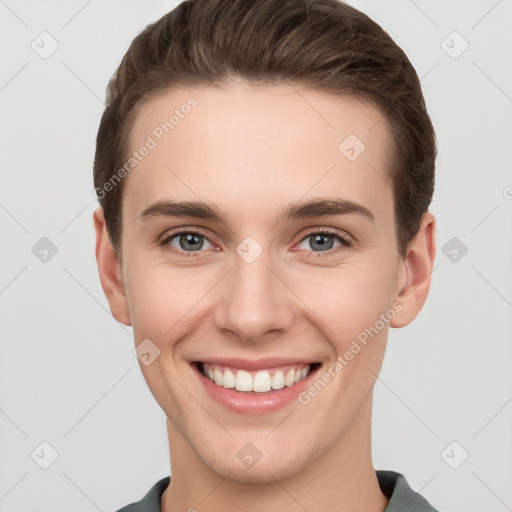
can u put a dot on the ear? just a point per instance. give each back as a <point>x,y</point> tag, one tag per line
<point>416,272</point>
<point>109,269</point>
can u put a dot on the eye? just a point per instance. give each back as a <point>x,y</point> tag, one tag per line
<point>324,240</point>
<point>186,242</point>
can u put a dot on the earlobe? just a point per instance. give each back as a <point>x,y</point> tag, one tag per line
<point>109,270</point>
<point>418,264</point>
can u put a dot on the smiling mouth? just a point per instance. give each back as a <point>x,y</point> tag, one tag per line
<point>256,382</point>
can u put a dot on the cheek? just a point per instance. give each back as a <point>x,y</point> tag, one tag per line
<point>345,300</point>
<point>163,300</point>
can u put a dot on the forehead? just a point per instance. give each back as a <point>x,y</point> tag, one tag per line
<point>244,146</point>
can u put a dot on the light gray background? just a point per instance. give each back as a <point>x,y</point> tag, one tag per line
<point>67,372</point>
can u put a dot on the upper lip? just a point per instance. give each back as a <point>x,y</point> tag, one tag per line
<point>256,364</point>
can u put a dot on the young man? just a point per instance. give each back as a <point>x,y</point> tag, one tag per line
<point>264,171</point>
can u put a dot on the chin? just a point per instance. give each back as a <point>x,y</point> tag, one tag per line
<point>277,466</point>
<point>261,473</point>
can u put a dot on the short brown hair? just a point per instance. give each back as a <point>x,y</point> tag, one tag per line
<point>322,44</point>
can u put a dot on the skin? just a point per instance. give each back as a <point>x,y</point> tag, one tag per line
<point>251,151</point>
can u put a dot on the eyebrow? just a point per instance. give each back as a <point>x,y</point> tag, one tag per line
<point>293,211</point>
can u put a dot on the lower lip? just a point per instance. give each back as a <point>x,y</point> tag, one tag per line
<point>254,403</point>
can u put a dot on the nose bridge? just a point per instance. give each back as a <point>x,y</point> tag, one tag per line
<point>255,300</point>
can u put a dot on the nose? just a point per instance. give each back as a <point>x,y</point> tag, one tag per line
<point>255,301</point>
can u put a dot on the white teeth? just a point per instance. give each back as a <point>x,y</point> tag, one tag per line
<point>243,381</point>
<point>217,375</point>
<point>260,382</point>
<point>229,380</point>
<point>278,380</point>
<point>288,380</point>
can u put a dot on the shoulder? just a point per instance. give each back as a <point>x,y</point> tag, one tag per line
<point>401,496</point>
<point>151,501</point>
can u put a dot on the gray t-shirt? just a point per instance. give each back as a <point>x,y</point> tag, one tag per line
<point>394,485</point>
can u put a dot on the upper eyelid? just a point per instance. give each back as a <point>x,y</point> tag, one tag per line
<point>168,236</point>
<point>327,231</point>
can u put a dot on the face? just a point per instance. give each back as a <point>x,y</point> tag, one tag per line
<point>254,295</point>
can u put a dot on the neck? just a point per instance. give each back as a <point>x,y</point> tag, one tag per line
<point>342,478</point>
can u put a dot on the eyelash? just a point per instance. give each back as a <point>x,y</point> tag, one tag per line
<point>345,242</point>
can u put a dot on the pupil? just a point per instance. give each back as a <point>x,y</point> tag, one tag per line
<point>322,245</point>
<point>191,239</point>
